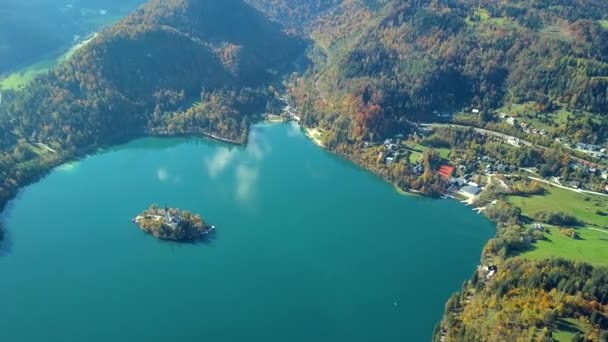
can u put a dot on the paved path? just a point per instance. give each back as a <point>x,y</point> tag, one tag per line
<point>567,188</point>
<point>524,142</point>
<point>599,230</point>
<point>484,132</point>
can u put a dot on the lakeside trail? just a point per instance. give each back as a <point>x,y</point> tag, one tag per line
<point>599,230</point>
<point>580,191</point>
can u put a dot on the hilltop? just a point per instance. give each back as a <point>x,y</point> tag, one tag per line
<point>171,67</point>
<point>377,63</point>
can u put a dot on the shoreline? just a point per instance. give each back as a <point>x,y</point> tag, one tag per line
<point>310,133</point>
<point>66,158</point>
<point>399,190</point>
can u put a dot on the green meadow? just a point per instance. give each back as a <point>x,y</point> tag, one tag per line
<point>591,246</point>
<point>443,152</point>
<point>21,77</point>
<point>592,243</point>
<point>587,208</point>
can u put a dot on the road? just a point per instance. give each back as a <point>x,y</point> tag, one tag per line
<point>567,188</point>
<point>523,142</point>
<point>599,230</point>
<point>503,136</point>
<point>484,132</point>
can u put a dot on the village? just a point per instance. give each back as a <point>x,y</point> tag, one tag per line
<point>592,150</point>
<point>467,180</point>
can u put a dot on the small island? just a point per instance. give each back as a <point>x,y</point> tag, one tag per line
<point>172,224</point>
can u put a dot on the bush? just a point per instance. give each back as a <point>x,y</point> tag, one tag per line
<point>569,232</point>
<point>557,218</point>
<point>504,212</point>
<point>527,188</point>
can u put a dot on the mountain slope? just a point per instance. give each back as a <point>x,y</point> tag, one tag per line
<point>177,47</point>
<point>142,76</point>
<point>405,59</point>
<point>296,15</point>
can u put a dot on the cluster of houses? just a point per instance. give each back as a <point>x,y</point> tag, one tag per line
<point>526,127</point>
<point>393,149</point>
<point>488,165</point>
<point>464,186</point>
<point>390,153</point>
<point>592,150</point>
<point>595,151</point>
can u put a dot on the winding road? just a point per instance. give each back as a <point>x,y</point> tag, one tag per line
<point>484,132</point>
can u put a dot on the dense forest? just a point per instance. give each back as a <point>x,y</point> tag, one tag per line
<point>295,15</point>
<point>377,63</point>
<point>529,301</point>
<point>215,57</point>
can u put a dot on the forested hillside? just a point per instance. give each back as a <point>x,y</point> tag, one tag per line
<point>530,301</point>
<point>376,64</point>
<point>141,76</point>
<point>296,15</point>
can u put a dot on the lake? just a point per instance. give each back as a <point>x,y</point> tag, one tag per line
<point>308,247</point>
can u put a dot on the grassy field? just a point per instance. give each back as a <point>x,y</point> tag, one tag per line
<point>443,152</point>
<point>414,158</point>
<point>528,112</point>
<point>604,23</point>
<point>591,246</point>
<point>567,329</point>
<point>583,206</point>
<point>20,78</point>
<point>479,15</point>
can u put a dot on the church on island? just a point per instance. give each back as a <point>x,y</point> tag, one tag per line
<point>172,224</point>
<point>171,220</point>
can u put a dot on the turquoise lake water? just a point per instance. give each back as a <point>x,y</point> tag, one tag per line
<point>309,247</point>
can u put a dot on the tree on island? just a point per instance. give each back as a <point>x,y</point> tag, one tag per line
<point>172,224</point>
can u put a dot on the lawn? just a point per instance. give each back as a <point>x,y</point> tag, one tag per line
<point>591,246</point>
<point>583,206</point>
<point>528,112</point>
<point>414,156</point>
<point>567,329</point>
<point>20,78</point>
<point>604,23</point>
<point>443,152</point>
<point>479,15</point>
